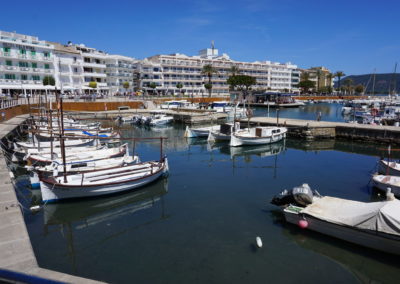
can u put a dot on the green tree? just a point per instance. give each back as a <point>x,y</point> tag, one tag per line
<point>49,80</point>
<point>234,70</point>
<point>242,83</point>
<point>179,86</point>
<point>359,89</point>
<point>348,83</point>
<point>153,86</point>
<point>318,74</point>
<point>126,85</point>
<point>209,71</point>
<point>306,85</point>
<point>339,75</point>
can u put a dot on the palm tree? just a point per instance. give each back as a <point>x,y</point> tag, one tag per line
<point>234,70</point>
<point>318,73</point>
<point>349,84</point>
<point>209,71</point>
<point>339,75</point>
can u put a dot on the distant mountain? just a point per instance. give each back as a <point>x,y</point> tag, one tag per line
<point>382,82</point>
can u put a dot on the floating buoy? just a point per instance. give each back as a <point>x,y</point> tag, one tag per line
<point>259,242</point>
<point>303,224</point>
<point>35,208</point>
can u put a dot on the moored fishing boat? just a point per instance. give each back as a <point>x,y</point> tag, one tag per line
<point>224,132</point>
<point>78,166</point>
<point>104,153</point>
<point>199,131</point>
<point>103,182</point>
<point>257,136</point>
<point>371,224</point>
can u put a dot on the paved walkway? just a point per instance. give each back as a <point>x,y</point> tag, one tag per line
<point>16,251</point>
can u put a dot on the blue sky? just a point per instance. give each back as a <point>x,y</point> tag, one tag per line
<point>353,36</point>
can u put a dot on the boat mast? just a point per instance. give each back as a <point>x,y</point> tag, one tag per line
<point>373,82</point>
<point>61,132</point>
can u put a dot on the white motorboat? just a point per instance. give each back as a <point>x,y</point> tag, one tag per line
<point>104,182</point>
<point>257,136</point>
<point>161,120</point>
<point>199,131</point>
<point>224,132</point>
<point>371,224</point>
<point>389,168</point>
<point>75,167</point>
<point>22,148</point>
<point>384,182</point>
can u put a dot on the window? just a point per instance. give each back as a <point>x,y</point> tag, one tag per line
<point>9,76</point>
<point>22,51</point>
<point>23,64</point>
<point>24,77</point>
<point>47,66</point>
<point>87,60</point>
<point>6,49</point>
<point>35,77</point>
<point>74,59</point>
<point>34,65</point>
<point>46,54</point>
<point>9,63</point>
<point>75,70</point>
<point>33,53</point>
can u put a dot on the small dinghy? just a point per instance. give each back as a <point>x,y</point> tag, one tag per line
<point>103,182</point>
<point>224,132</point>
<point>161,120</point>
<point>389,168</point>
<point>371,224</point>
<point>384,182</point>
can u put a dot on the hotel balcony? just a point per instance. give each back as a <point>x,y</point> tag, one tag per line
<point>93,65</point>
<point>93,74</point>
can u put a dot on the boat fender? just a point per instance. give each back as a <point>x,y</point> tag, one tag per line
<point>303,224</point>
<point>259,242</point>
<point>35,208</point>
<point>389,194</point>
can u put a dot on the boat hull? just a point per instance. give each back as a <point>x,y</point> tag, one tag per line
<point>385,183</point>
<point>384,169</point>
<point>388,244</point>
<point>53,192</point>
<point>242,141</point>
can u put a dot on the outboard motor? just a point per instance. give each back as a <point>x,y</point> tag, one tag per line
<point>299,195</point>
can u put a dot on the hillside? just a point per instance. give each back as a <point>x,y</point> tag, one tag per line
<point>382,82</point>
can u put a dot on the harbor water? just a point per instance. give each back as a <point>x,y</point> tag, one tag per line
<point>199,225</point>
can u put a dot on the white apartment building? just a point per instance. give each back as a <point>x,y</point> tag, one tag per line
<point>169,70</point>
<point>119,70</point>
<point>68,67</point>
<point>24,61</point>
<point>94,68</point>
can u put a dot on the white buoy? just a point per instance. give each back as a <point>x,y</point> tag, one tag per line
<point>259,242</point>
<point>11,175</point>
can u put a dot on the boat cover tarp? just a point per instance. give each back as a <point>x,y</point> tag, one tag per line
<point>382,216</point>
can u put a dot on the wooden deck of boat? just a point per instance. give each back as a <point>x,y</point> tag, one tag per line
<point>311,129</point>
<point>16,253</point>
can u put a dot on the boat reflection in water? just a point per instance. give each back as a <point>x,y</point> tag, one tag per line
<point>102,209</point>
<point>367,265</point>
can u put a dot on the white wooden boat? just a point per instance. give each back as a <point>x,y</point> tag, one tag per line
<point>47,136</point>
<point>161,120</point>
<point>199,132</point>
<point>75,167</point>
<point>371,224</point>
<point>22,146</point>
<point>70,156</point>
<point>104,182</point>
<point>257,136</point>
<point>384,182</point>
<point>389,168</point>
<point>224,132</point>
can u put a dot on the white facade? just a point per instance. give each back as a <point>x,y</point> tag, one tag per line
<point>120,69</point>
<point>24,61</point>
<point>167,71</point>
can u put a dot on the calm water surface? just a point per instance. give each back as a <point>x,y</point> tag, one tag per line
<point>199,225</point>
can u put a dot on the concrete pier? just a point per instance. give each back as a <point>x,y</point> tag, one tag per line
<point>310,129</point>
<point>16,251</point>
